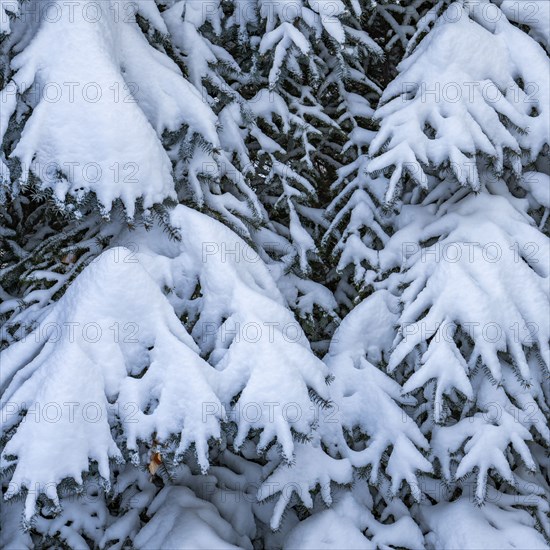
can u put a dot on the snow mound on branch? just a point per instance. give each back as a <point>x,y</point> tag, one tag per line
<point>311,468</point>
<point>181,520</point>
<point>468,272</point>
<point>351,521</point>
<point>463,524</point>
<point>243,326</point>
<point>368,399</point>
<point>100,99</point>
<point>326,531</point>
<point>102,356</point>
<point>113,355</point>
<point>474,328</point>
<point>449,103</point>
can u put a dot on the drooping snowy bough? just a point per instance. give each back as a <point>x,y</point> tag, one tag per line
<point>274,274</point>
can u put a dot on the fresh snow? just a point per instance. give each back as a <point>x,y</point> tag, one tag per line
<point>274,274</point>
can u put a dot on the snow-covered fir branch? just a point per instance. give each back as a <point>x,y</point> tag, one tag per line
<point>275,274</point>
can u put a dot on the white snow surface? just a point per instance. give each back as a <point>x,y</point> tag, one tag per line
<point>129,361</point>
<point>446,85</point>
<point>101,99</point>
